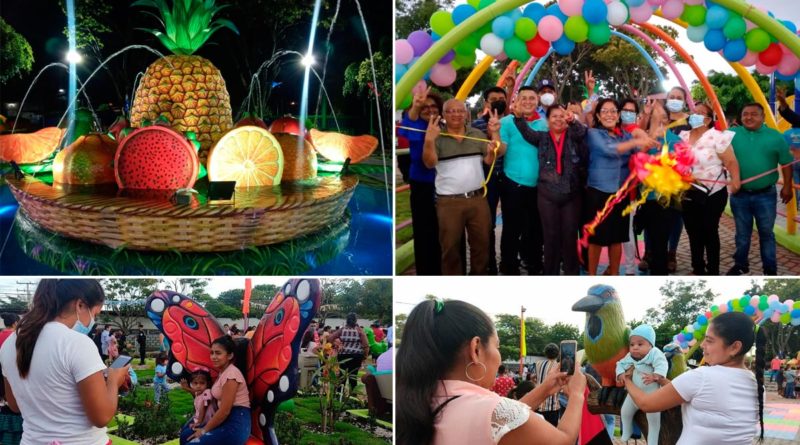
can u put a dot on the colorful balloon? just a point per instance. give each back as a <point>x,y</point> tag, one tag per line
<point>420,41</point>
<point>443,74</point>
<point>716,17</point>
<point>771,56</point>
<point>534,11</point>
<point>595,11</point>
<point>563,46</point>
<point>403,51</point>
<point>525,28</point>
<point>399,72</point>
<point>694,15</point>
<point>599,34</point>
<point>749,59</point>
<point>442,22</point>
<point>570,7</point>
<point>617,13</point>
<point>757,40</point>
<point>463,12</point>
<point>503,27</point>
<point>672,9</point>
<point>641,14</point>
<point>735,27</point>
<point>515,49</point>
<point>696,33</point>
<point>491,44</point>
<point>576,29</point>
<point>537,47</point>
<point>551,28</point>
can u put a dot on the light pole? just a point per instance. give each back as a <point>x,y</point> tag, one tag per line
<point>522,347</point>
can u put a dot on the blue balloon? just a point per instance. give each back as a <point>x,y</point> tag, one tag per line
<point>703,320</point>
<point>688,336</point>
<point>563,46</point>
<point>696,326</point>
<point>775,305</point>
<point>735,50</point>
<point>503,27</point>
<point>795,321</point>
<point>750,310</point>
<point>791,26</point>
<point>697,33</point>
<point>514,14</point>
<point>399,72</point>
<point>768,312</point>
<point>462,12</point>
<point>797,82</point>
<point>556,11</point>
<point>795,313</point>
<point>594,11</point>
<point>780,76</point>
<point>784,307</point>
<point>435,37</point>
<point>717,17</point>
<point>635,3</point>
<point>715,40</point>
<point>534,11</point>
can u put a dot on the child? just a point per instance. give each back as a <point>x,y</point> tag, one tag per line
<point>791,376</point>
<point>204,403</point>
<point>645,358</point>
<point>160,380</point>
<point>113,348</point>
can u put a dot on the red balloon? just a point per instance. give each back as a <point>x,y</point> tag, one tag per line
<point>771,56</point>
<point>537,46</point>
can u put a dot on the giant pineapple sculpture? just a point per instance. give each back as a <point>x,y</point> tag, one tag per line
<point>186,89</point>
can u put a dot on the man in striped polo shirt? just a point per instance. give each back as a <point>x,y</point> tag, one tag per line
<point>460,203</point>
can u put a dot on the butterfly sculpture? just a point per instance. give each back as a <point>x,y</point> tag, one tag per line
<point>271,355</point>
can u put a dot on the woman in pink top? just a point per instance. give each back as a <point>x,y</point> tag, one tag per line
<point>231,423</point>
<point>714,167</point>
<point>445,369</point>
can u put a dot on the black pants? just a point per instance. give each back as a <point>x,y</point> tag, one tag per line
<point>701,214</point>
<point>141,354</point>
<point>560,215</point>
<point>658,223</point>
<point>522,229</point>
<point>351,366</point>
<point>425,223</point>
<point>493,189</point>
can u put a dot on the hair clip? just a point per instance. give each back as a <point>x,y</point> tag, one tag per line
<point>438,306</point>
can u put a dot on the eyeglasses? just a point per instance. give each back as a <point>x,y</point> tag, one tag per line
<point>609,111</point>
<point>430,106</point>
<point>456,111</point>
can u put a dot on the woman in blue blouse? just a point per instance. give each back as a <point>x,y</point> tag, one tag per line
<point>609,152</point>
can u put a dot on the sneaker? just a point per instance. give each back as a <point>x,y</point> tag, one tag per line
<point>738,270</point>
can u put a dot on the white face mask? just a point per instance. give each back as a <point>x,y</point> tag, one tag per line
<point>674,105</point>
<point>547,99</point>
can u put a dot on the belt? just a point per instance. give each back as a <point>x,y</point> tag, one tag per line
<point>472,194</point>
<point>756,191</point>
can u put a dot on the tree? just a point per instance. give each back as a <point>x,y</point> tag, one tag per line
<point>376,300</point>
<point>782,338</point>
<point>731,92</point>
<point>413,15</point>
<point>683,300</point>
<point>562,331</point>
<point>358,80</point>
<point>125,299</point>
<point>14,304</point>
<point>399,324</point>
<point>187,286</point>
<point>16,54</point>
<point>232,297</point>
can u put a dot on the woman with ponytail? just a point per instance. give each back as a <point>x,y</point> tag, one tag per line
<point>52,372</point>
<point>445,369</point>
<point>722,402</point>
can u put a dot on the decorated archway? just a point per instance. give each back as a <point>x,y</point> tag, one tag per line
<point>742,34</point>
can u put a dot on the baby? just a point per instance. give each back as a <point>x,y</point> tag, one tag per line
<point>204,403</point>
<point>645,359</point>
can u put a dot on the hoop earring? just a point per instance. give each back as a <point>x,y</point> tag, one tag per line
<point>466,371</point>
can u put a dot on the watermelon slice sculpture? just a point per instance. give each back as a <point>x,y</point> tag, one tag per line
<point>156,157</point>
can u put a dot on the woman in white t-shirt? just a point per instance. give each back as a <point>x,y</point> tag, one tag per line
<point>53,374</point>
<point>720,403</point>
<point>445,369</point>
<point>714,170</point>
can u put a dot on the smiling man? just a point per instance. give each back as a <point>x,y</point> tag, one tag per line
<point>758,149</point>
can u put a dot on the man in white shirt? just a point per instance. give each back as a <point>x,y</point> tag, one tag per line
<point>105,340</point>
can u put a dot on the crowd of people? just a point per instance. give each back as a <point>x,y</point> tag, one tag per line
<point>453,389</point>
<point>552,165</point>
<point>785,374</point>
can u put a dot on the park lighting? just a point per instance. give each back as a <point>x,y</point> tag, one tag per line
<point>73,56</point>
<point>308,60</point>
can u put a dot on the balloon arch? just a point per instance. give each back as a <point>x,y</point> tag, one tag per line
<point>741,33</point>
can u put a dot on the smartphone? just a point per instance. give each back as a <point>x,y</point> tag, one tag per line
<point>568,350</point>
<point>121,361</point>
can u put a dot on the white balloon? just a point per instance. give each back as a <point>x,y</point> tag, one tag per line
<point>617,13</point>
<point>491,44</point>
<point>696,33</point>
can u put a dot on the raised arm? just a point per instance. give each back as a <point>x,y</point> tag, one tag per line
<point>662,399</point>
<point>429,156</point>
<point>418,103</point>
<point>784,110</point>
<point>99,396</point>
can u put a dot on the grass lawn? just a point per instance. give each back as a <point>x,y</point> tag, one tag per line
<point>403,213</point>
<point>307,412</point>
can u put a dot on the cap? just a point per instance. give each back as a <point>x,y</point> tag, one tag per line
<point>546,83</point>
<point>792,137</point>
<point>645,331</point>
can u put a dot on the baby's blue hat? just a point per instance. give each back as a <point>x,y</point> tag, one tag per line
<point>645,331</point>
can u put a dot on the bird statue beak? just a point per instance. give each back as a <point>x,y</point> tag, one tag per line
<point>589,303</point>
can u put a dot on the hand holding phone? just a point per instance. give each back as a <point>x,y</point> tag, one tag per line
<point>121,361</point>
<point>568,350</point>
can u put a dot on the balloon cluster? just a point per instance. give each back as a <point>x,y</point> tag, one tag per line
<point>761,308</point>
<point>535,30</point>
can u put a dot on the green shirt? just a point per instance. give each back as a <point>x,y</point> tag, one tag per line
<point>521,162</point>
<point>757,152</point>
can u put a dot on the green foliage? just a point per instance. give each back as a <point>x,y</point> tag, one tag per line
<point>188,24</point>
<point>683,301</point>
<point>358,78</point>
<point>91,20</point>
<point>16,55</point>
<point>125,299</point>
<point>367,298</point>
<point>155,422</point>
<point>288,428</point>
<point>13,304</point>
<point>537,335</point>
<point>414,15</point>
<point>732,93</point>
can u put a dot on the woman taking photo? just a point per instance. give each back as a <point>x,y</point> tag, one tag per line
<point>714,166</point>
<point>230,425</point>
<point>720,402</point>
<point>445,369</point>
<point>52,373</point>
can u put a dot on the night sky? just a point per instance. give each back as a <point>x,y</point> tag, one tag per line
<point>42,22</point>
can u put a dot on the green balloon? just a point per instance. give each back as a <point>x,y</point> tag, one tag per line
<point>405,103</point>
<point>785,318</point>
<point>599,34</point>
<point>736,305</point>
<point>465,47</point>
<point>744,302</point>
<point>474,40</point>
<point>694,15</point>
<point>757,40</point>
<point>525,28</point>
<point>465,60</point>
<point>714,309</point>
<point>515,49</point>
<point>483,30</point>
<point>576,29</point>
<point>735,27</point>
<point>473,3</point>
<point>484,3</point>
<point>442,22</point>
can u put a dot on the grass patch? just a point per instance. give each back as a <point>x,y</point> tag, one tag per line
<point>403,213</point>
<point>307,412</point>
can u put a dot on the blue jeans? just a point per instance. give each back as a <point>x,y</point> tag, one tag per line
<point>160,389</point>
<point>235,430</point>
<point>796,177</point>
<point>762,207</point>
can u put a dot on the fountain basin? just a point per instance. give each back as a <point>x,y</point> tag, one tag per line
<point>259,215</point>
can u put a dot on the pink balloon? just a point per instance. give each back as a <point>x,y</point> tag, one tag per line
<point>776,317</point>
<point>403,51</point>
<point>749,59</point>
<point>641,14</point>
<point>789,303</point>
<point>550,28</point>
<point>570,7</point>
<point>772,298</point>
<point>754,301</point>
<point>789,65</point>
<point>420,87</point>
<point>723,308</point>
<point>694,2</point>
<point>443,74</point>
<point>672,9</point>
<point>656,2</point>
<point>501,57</point>
<point>749,25</point>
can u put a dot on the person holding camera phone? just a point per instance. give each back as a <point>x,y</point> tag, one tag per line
<point>52,375</point>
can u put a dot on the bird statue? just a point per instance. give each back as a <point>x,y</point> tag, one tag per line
<point>605,337</point>
<point>676,360</point>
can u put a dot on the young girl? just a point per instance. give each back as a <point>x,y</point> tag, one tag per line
<point>645,359</point>
<point>160,380</point>
<point>113,348</point>
<point>204,403</point>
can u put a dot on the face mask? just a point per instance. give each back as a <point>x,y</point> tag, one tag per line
<point>628,117</point>
<point>674,105</point>
<point>696,120</point>
<point>499,106</point>
<point>547,99</point>
<point>80,327</point>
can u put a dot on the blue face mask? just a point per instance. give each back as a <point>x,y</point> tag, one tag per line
<point>80,327</point>
<point>627,117</point>
<point>696,120</point>
<point>674,105</point>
